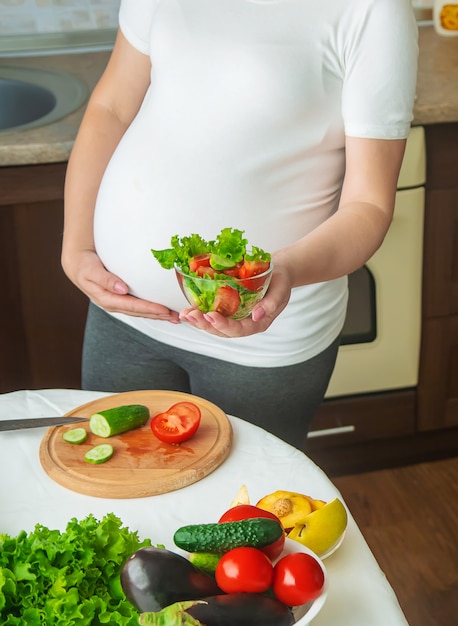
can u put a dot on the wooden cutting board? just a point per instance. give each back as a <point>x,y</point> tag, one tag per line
<point>141,464</point>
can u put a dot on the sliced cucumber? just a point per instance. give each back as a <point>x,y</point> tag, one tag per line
<point>75,435</point>
<point>118,420</point>
<point>221,262</point>
<point>99,454</point>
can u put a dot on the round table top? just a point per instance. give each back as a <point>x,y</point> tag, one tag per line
<point>359,594</point>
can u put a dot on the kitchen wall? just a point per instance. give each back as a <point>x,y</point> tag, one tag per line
<point>30,17</point>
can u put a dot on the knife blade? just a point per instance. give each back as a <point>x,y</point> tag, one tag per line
<point>37,422</point>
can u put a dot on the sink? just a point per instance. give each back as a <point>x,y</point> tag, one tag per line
<point>30,98</point>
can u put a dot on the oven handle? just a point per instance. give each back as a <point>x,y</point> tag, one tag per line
<point>331,431</point>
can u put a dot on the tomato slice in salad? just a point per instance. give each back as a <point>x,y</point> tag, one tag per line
<point>179,423</point>
<point>206,271</point>
<point>198,261</point>
<point>227,300</point>
<point>250,269</point>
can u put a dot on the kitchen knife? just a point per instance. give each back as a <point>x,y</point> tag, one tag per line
<point>37,422</point>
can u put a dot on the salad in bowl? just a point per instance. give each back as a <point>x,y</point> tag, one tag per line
<point>222,275</point>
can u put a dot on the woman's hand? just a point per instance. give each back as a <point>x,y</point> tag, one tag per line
<point>261,318</point>
<point>107,290</point>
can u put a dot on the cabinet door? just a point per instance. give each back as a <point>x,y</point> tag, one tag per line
<point>438,385</point>
<point>42,314</point>
<point>440,286</point>
<point>52,309</point>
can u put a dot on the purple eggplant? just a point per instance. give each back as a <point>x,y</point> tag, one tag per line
<point>153,578</point>
<point>242,609</point>
<point>233,609</point>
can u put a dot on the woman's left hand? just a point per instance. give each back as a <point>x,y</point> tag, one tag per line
<point>261,317</point>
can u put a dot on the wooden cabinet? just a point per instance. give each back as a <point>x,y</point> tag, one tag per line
<point>41,314</point>
<point>438,378</point>
<point>379,430</point>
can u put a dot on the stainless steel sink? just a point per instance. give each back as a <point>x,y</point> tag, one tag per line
<point>30,98</point>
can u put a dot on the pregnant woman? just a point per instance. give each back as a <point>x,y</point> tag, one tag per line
<point>286,119</point>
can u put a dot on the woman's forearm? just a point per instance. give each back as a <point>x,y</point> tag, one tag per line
<point>345,241</point>
<point>337,247</point>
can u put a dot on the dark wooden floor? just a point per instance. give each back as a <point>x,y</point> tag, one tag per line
<point>409,518</point>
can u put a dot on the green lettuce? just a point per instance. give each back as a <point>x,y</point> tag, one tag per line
<point>173,615</point>
<point>70,578</point>
<point>230,247</point>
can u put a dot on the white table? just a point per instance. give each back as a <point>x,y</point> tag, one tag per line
<point>359,594</point>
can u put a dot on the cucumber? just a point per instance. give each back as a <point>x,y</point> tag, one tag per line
<point>206,562</point>
<point>256,532</point>
<point>75,435</point>
<point>118,420</point>
<point>99,454</point>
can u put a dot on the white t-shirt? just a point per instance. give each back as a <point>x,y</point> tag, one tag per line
<point>244,126</point>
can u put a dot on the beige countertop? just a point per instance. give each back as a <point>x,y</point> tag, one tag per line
<point>437,97</point>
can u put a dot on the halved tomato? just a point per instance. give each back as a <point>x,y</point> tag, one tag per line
<point>179,423</point>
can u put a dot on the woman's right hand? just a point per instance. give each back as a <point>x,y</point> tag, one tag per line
<point>87,272</point>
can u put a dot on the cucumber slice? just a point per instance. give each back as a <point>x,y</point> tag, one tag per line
<point>118,420</point>
<point>75,435</point>
<point>221,262</point>
<point>99,454</point>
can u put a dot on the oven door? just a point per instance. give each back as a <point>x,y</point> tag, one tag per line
<point>381,338</point>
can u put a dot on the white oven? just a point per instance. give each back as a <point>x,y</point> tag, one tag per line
<point>381,338</point>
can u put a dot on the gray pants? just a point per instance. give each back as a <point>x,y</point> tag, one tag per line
<point>282,400</point>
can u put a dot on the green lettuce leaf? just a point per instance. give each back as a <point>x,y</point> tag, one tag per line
<point>173,615</point>
<point>70,578</point>
<point>256,254</point>
<point>181,252</point>
<point>230,245</point>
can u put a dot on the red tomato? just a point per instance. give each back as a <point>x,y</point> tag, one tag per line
<point>253,268</point>
<point>244,570</point>
<point>248,511</point>
<point>200,260</point>
<point>205,271</point>
<point>177,424</point>
<point>234,272</point>
<point>298,579</point>
<point>227,300</point>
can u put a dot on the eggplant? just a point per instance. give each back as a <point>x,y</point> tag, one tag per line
<point>153,578</point>
<point>242,609</point>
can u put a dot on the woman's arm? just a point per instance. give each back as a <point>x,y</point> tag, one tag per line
<point>350,237</point>
<point>112,106</point>
<point>340,245</point>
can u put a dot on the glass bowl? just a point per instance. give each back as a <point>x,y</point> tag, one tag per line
<point>229,295</point>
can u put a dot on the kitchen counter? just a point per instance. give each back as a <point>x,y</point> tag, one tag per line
<point>51,143</point>
<point>437,97</point>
